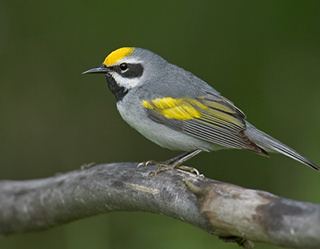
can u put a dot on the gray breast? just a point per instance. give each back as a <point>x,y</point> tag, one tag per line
<point>134,114</point>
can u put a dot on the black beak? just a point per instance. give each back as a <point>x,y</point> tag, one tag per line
<point>101,69</point>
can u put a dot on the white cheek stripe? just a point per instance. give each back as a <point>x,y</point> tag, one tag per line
<point>126,82</point>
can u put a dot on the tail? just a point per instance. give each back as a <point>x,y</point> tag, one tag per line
<point>270,144</point>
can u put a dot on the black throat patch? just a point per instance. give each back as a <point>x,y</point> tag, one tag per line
<point>118,91</point>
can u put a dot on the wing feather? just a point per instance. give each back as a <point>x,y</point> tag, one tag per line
<point>211,118</point>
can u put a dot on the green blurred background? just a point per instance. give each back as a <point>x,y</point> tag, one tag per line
<point>263,55</point>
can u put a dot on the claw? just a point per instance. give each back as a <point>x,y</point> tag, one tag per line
<point>161,167</point>
<point>189,169</point>
<point>87,166</point>
<point>164,166</point>
<point>147,163</point>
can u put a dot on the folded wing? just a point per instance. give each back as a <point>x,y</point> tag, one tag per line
<point>211,118</point>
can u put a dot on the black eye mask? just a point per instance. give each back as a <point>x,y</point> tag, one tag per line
<point>131,71</point>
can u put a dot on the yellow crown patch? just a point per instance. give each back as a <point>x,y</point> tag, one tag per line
<point>117,55</point>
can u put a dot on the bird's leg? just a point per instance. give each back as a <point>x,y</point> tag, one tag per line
<point>164,163</point>
<point>176,158</point>
<point>176,163</point>
<point>183,158</point>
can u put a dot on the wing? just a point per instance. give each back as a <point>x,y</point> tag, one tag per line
<point>210,117</point>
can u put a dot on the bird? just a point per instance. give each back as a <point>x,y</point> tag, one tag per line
<point>177,110</point>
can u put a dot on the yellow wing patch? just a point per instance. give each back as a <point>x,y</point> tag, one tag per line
<point>188,109</point>
<point>214,119</point>
<point>179,109</point>
<point>117,55</point>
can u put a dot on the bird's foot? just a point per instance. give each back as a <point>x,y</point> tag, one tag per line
<point>87,166</point>
<point>162,167</point>
<point>147,163</point>
<point>190,170</point>
<point>178,164</point>
<point>173,163</point>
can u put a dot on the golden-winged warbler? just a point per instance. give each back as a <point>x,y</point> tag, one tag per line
<point>177,110</point>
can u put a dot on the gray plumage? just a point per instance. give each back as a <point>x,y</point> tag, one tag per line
<point>208,132</point>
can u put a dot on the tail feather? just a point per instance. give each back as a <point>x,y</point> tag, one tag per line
<point>270,144</point>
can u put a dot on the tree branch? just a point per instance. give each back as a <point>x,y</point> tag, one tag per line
<point>228,211</point>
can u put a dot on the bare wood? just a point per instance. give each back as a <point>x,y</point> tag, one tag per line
<point>231,212</point>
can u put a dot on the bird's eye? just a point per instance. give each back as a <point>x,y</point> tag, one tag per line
<point>123,66</point>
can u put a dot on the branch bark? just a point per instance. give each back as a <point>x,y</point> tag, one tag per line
<point>228,211</point>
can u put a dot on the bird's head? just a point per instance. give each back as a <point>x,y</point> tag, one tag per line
<point>126,68</point>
